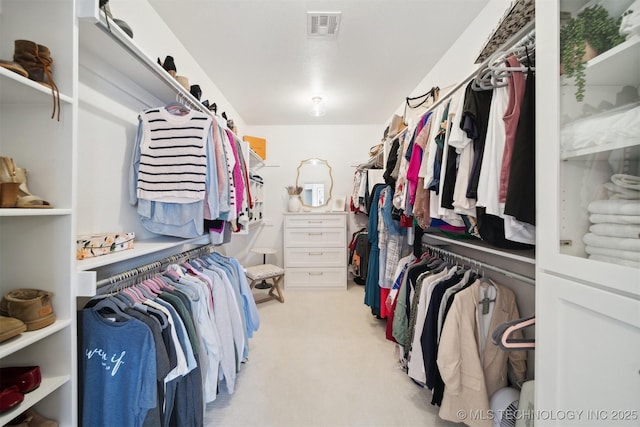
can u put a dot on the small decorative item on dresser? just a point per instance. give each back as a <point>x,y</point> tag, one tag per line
<point>92,245</point>
<point>294,204</point>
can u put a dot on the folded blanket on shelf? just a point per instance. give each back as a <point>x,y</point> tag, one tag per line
<point>618,192</point>
<point>620,126</point>
<point>618,261</point>
<point>615,219</point>
<point>614,253</point>
<point>612,242</point>
<point>627,181</point>
<point>631,231</point>
<point>615,206</point>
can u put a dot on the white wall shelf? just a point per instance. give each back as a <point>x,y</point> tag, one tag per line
<point>20,212</point>
<point>570,154</point>
<point>25,339</point>
<point>140,248</point>
<point>612,67</point>
<point>48,385</point>
<point>17,89</point>
<point>524,256</point>
<point>124,59</point>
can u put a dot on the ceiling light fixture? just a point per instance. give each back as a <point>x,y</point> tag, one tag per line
<point>318,109</point>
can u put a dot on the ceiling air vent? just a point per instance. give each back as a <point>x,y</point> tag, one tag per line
<point>323,24</point>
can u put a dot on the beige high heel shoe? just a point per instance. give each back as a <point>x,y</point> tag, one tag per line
<point>14,177</point>
<point>8,184</point>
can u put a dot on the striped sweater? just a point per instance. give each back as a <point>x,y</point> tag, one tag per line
<point>173,161</point>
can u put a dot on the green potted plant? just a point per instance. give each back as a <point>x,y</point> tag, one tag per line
<point>592,30</point>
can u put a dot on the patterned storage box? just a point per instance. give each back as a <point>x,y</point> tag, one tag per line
<point>92,245</point>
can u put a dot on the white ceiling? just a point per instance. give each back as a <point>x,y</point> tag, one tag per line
<point>258,54</point>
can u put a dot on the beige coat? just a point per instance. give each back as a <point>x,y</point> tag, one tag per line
<point>469,383</point>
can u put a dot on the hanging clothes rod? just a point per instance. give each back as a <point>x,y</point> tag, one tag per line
<point>479,264</point>
<point>156,266</point>
<point>520,38</point>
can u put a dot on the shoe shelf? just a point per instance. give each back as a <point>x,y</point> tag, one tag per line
<point>16,89</point>
<point>48,385</point>
<point>116,56</point>
<point>20,212</point>
<point>25,339</point>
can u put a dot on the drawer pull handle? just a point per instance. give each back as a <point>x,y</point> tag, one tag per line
<point>316,273</point>
<point>314,234</point>
<point>315,253</point>
<point>311,221</point>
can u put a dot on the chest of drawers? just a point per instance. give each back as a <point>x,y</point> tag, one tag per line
<point>315,250</point>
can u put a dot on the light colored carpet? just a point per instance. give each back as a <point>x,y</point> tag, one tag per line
<point>321,359</point>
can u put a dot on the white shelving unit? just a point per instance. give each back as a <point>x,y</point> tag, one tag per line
<point>585,308</point>
<point>36,245</point>
<point>256,188</point>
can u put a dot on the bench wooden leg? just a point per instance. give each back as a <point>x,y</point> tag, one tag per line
<point>275,292</point>
<point>276,287</point>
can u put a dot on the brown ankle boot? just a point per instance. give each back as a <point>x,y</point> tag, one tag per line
<point>32,306</point>
<point>36,59</point>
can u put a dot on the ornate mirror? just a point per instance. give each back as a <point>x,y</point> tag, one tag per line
<point>314,176</point>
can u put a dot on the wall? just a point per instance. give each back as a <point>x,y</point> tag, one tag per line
<point>458,63</point>
<point>342,146</point>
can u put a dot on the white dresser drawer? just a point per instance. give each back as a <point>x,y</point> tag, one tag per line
<point>316,278</point>
<point>315,237</point>
<point>320,257</point>
<point>320,221</point>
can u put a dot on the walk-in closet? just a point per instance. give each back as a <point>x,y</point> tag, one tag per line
<point>320,213</point>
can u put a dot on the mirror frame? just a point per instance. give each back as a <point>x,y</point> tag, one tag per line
<point>299,184</point>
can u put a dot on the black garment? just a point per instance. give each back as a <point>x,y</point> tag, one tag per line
<point>521,191</point>
<point>450,174</point>
<point>491,229</point>
<point>413,272</point>
<point>363,247</point>
<point>417,240</point>
<point>391,164</point>
<point>438,383</point>
<point>475,122</point>
<point>429,337</point>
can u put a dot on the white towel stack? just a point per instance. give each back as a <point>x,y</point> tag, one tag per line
<point>614,234</point>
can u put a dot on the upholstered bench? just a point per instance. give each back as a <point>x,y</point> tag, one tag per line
<point>267,272</point>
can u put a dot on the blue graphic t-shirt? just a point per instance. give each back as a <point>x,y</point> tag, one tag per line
<point>119,372</point>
